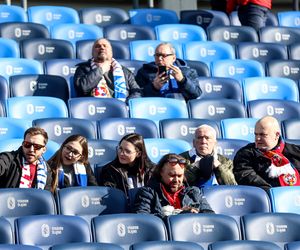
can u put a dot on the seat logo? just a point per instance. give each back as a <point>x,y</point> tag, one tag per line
<point>121,229</point>
<point>197,228</point>
<point>85,201</point>
<point>45,230</point>
<point>11,203</point>
<point>270,228</point>
<point>228,201</point>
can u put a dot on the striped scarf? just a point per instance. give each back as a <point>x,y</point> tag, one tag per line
<point>80,175</point>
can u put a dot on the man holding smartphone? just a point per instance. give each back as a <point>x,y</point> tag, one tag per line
<point>168,76</point>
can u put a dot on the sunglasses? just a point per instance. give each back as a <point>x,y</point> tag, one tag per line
<point>173,161</point>
<point>27,144</point>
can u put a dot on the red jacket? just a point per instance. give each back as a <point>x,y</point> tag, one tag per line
<point>231,4</point>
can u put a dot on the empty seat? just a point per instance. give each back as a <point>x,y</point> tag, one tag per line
<point>12,13</point>
<point>18,247</point>
<point>284,68</point>
<point>152,16</point>
<point>13,128</point>
<point>9,48</point>
<point>290,129</point>
<point>229,147</point>
<point>166,245</point>
<point>201,67</point>
<point>243,244</point>
<point>87,246</point>
<point>59,129</point>
<point>294,51</point>
<point>282,35</point>
<point>289,18</point>
<point>103,16</point>
<point>6,232</point>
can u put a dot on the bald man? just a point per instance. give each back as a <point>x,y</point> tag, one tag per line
<point>269,161</point>
<point>206,167</point>
<point>102,76</point>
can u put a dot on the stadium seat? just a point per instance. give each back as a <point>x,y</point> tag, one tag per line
<point>220,87</point>
<point>243,244</point>
<point>59,129</point>
<point>285,199</point>
<point>282,35</point>
<point>202,229</point>
<point>180,33</point>
<point>166,245</point>
<point>271,19</point>
<point>12,13</point>
<point>290,129</point>
<point>152,16</point>
<point>39,85</point>
<point>23,30</point>
<point>74,32</point>
<point>10,48</point>
<point>237,68</point>
<point>4,90</point>
<point>36,107</point>
<point>46,230</point>
<point>229,147</point>
<point>279,228</point>
<point>132,65</point>
<point>51,15</point>
<point>158,147</point>
<point>284,68</point>
<point>127,229</point>
<point>91,201</point>
<point>103,16</point>
<point>116,128</point>
<point>289,18</point>
<point>19,66</point>
<point>292,246</point>
<point>238,128</point>
<point>232,34</point>
<point>13,128</point>
<point>202,68</point>
<point>2,108</point>
<point>204,18</point>
<point>157,108</point>
<point>294,51</point>
<point>6,232</point>
<point>96,108</point>
<point>86,246</point>
<point>280,109</point>
<point>18,247</point>
<point>216,109</point>
<point>184,128</point>
<point>128,32</point>
<point>262,52</point>
<point>208,51</point>
<point>46,48</point>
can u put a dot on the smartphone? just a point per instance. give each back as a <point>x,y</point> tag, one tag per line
<point>162,69</point>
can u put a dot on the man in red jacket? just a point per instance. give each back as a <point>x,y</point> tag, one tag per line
<point>251,12</point>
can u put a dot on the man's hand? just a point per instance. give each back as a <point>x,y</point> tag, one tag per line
<point>176,72</point>
<point>160,80</point>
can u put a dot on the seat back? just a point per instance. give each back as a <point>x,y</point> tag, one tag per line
<point>294,51</point>
<point>292,246</point>
<point>288,18</point>
<point>202,68</point>
<point>290,130</point>
<point>229,147</point>
<point>284,68</point>
<point>12,13</point>
<point>86,246</point>
<point>10,48</point>
<point>13,128</point>
<point>18,247</point>
<point>282,35</point>
<point>6,232</point>
<point>243,244</point>
<point>4,90</point>
<point>166,245</point>
<point>132,65</point>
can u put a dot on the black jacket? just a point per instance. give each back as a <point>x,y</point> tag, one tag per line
<point>189,87</point>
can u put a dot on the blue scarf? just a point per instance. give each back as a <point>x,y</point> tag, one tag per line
<point>80,175</point>
<point>169,87</point>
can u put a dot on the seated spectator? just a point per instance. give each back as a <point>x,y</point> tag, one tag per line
<point>131,168</point>
<point>206,167</point>
<point>270,161</point>
<point>166,194</point>
<point>25,167</point>
<point>102,76</point>
<point>168,76</point>
<point>70,166</point>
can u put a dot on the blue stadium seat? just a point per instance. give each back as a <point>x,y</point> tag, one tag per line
<point>132,65</point>
<point>289,18</point>
<point>208,51</point>
<point>96,108</point>
<point>59,129</point>
<point>18,247</point>
<point>87,246</point>
<point>12,13</point>
<point>262,52</point>
<point>158,147</point>
<point>13,128</point>
<point>166,245</point>
<point>9,48</point>
<point>279,228</point>
<point>216,109</point>
<point>294,51</point>
<point>157,108</point>
<point>152,17</point>
<point>284,68</point>
<point>116,128</point>
<point>91,201</point>
<point>180,33</point>
<point>36,107</point>
<point>237,68</point>
<point>292,246</point>
<point>232,34</point>
<point>46,230</point>
<point>23,30</point>
<point>220,87</point>
<point>51,15</point>
<point>46,48</point>
<point>290,129</point>
<point>39,85</point>
<point>285,199</point>
<point>271,19</point>
<point>243,244</point>
<point>19,66</point>
<point>74,32</point>
<point>202,228</point>
<point>282,35</point>
<point>280,109</point>
<point>202,68</point>
<point>229,147</point>
<point>128,229</point>
<point>2,108</point>
<point>103,16</point>
<point>238,128</point>
<point>6,232</point>
<point>4,90</point>
<point>128,32</point>
<point>184,128</point>
<point>204,18</point>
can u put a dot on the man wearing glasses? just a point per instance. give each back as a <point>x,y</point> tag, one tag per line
<point>25,167</point>
<point>168,76</point>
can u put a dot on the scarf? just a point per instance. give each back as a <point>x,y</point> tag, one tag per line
<point>80,175</point>
<point>169,87</point>
<point>281,167</point>
<point>173,198</point>
<point>41,174</point>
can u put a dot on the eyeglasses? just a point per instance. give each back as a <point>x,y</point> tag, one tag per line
<point>125,151</point>
<point>72,150</point>
<point>27,144</point>
<point>162,55</point>
<point>173,161</point>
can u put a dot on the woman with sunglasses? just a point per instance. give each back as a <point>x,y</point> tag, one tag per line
<point>166,194</point>
<point>70,166</point>
<point>131,168</point>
